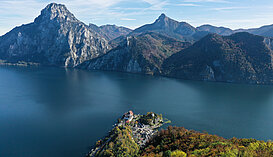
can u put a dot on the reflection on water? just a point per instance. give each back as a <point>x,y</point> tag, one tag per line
<point>61,112</point>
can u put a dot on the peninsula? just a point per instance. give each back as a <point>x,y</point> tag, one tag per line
<point>137,135</point>
<point>130,133</point>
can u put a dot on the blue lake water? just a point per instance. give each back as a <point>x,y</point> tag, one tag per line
<point>62,112</point>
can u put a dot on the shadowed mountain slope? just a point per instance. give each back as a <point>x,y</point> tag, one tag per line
<point>138,54</point>
<point>240,58</point>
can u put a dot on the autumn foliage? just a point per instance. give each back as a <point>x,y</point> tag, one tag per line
<point>178,141</point>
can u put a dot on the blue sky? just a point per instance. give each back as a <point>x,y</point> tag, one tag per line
<point>134,13</point>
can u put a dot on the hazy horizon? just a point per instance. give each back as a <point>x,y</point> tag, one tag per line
<point>225,13</point>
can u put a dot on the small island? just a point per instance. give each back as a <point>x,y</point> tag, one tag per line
<point>137,135</point>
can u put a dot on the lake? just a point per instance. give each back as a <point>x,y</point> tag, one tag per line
<point>62,112</point>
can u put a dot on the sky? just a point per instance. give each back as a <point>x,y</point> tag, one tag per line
<point>234,14</point>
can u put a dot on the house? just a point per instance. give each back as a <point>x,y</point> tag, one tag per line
<point>128,116</point>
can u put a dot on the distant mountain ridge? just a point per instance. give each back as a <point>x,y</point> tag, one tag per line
<point>266,31</point>
<point>165,47</point>
<point>214,29</point>
<point>111,32</point>
<point>169,27</point>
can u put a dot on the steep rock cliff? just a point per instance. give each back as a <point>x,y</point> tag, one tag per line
<point>55,37</point>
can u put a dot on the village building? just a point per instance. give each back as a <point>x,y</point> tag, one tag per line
<point>128,116</point>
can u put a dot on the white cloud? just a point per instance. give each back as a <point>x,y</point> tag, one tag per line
<point>127,19</point>
<point>228,8</point>
<point>187,5</point>
<point>155,4</point>
<point>17,12</point>
<point>152,2</point>
<point>158,6</point>
<point>202,1</point>
<point>90,3</point>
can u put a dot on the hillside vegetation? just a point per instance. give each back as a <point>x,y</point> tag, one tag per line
<point>178,141</point>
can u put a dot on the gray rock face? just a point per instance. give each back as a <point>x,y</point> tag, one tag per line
<point>55,37</point>
<point>138,54</point>
<point>207,74</point>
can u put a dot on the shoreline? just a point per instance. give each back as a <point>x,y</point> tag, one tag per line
<point>142,128</point>
<point>31,64</point>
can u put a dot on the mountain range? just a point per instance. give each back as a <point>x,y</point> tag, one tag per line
<point>110,32</point>
<point>166,47</point>
<point>144,53</point>
<point>169,27</point>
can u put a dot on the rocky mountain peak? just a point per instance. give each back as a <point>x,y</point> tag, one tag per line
<point>169,27</point>
<point>55,6</point>
<point>55,38</point>
<point>163,19</point>
<point>56,11</point>
<point>162,16</point>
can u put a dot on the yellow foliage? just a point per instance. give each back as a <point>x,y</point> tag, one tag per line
<point>178,153</point>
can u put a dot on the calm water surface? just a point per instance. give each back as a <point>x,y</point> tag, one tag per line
<point>62,112</point>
